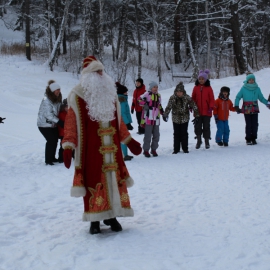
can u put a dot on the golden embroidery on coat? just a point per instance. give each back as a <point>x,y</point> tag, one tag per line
<point>124,197</point>
<point>99,201</point>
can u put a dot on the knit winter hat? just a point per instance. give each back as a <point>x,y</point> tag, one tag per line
<point>179,87</point>
<point>54,86</point>
<point>204,74</point>
<point>225,89</point>
<point>121,89</point>
<point>140,80</point>
<point>152,84</point>
<point>88,60</point>
<point>250,76</point>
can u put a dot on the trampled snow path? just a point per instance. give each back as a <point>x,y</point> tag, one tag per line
<point>208,209</point>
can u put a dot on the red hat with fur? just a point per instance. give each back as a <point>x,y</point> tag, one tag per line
<point>88,60</point>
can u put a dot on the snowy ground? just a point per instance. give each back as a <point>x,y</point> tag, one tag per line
<point>208,209</point>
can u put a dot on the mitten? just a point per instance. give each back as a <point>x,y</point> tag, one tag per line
<point>132,111</point>
<point>269,98</point>
<point>210,110</point>
<point>268,105</point>
<point>67,155</point>
<point>60,123</point>
<point>165,117</point>
<point>216,118</point>
<point>195,121</point>
<point>129,126</point>
<point>134,147</point>
<point>237,109</point>
<point>1,120</point>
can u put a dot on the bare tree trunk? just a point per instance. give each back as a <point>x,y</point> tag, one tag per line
<point>164,55</point>
<point>49,27</point>
<point>58,41</point>
<point>27,30</point>
<point>157,37</point>
<point>194,61</point>
<point>101,42</point>
<point>219,54</point>
<point>121,28</point>
<point>237,38</point>
<point>208,35</point>
<point>85,28</point>
<point>139,40</point>
<point>176,47</point>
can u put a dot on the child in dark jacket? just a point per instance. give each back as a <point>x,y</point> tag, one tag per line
<point>180,104</point>
<point>204,98</point>
<point>250,93</point>
<point>221,113</point>
<point>62,117</point>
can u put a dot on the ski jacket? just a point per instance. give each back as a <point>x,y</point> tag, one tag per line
<point>222,108</point>
<point>125,111</point>
<point>136,95</point>
<point>204,98</point>
<point>151,114</point>
<point>250,93</point>
<point>180,107</point>
<point>48,113</point>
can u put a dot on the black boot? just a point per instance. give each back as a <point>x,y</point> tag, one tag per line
<point>94,227</point>
<point>115,225</point>
<point>207,145</point>
<point>199,142</point>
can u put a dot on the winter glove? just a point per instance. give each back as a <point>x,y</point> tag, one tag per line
<point>216,118</point>
<point>210,110</point>
<point>67,155</point>
<point>269,98</point>
<point>134,147</point>
<point>60,123</point>
<point>237,109</point>
<point>195,121</point>
<point>165,117</point>
<point>1,120</point>
<point>129,126</point>
<point>146,107</point>
<point>132,111</point>
<point>190,109</point>
<point>268,105</point>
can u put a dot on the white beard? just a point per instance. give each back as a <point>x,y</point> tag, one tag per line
<point>100,96</point>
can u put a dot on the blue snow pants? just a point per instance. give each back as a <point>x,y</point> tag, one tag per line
<point>124,149</point>
<point>223,131</point>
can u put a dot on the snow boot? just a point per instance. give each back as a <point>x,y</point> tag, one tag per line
<point>254,141</point>
<point>115,225</point>
<point>249,142</point>
<point>154,153</point>
<point>199,142</point>
<point>146,154</point>
<point>226,144</point>
<point>94,227</point>
<point>207,145</point>
<point>127,158</point>
<point>220,143</point>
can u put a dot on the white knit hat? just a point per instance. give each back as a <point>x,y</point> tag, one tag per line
<point>54,86</point>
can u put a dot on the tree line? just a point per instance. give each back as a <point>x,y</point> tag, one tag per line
<point>187,32</point>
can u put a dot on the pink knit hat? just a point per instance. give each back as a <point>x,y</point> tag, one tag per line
<point>204,74</point>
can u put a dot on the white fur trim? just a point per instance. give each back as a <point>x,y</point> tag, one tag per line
<point>125,212</point>
<point>93,67</point>
<point>77,192</point>
<point>129,182</point>
<point>68,144</point>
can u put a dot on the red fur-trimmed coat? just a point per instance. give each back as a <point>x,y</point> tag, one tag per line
<point>101,176</point>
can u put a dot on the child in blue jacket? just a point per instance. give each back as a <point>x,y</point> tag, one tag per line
<point>250,93</point>
<point>122,93</point>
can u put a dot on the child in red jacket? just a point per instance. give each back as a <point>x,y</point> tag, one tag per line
<point>223,105</point>
<point>62,116</point>
<point>204,98</point>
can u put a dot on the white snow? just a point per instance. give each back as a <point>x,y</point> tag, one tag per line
<point>208,209</point>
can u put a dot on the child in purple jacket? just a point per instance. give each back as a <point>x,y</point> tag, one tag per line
<point>152,109</point>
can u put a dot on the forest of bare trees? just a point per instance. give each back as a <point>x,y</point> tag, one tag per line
<point>181,33</point>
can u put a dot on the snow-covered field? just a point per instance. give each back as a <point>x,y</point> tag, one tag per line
<point>208,209</point>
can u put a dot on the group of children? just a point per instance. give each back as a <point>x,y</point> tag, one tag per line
<point>203,105</point>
